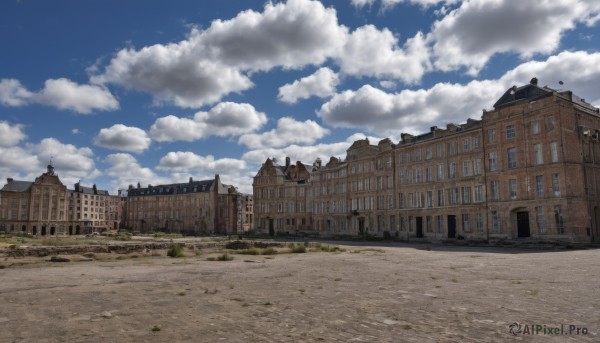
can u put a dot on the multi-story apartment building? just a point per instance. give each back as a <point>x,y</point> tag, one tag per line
<point>528,168</point>
<point>245,221</point>
<point>93,210</point>
<point>281,197</point>
<point>195,207</point>
<point>37,208</point>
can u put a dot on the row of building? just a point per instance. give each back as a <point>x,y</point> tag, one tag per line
<point>46,207</point>
<point>528,168</point>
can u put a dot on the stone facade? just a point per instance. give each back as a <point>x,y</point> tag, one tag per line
<point>93,210</point>
<point>530,168</point>
<point>195,207</point>
<point>281,198</point>
<point>37,208</point>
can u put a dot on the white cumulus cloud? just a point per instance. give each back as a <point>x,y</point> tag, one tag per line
<point>225,119</point>
<point>11,135</point>
<point>288,131</point>
<point>125,138</point>
<point>322,84</point>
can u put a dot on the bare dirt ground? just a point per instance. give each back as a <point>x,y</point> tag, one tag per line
<point>364,294</point>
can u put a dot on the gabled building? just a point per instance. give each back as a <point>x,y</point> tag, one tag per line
<point>37,208</point>
<point>529,169</point>
<point>282,203</point>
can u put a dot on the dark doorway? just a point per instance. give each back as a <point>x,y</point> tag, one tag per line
<point>523,224</point>
<point>24,228</point>
<point>451,226</point>
<point>52,231</point>
<point>419,227</point>
<point>77,230</point>
<point>596,225</point>
<point>271,227</point>
<point>70,229</point>
<point>34,230</point>
<point>43,231</point>
<point>361,226</point>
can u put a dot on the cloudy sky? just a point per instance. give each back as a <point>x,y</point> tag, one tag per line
<point>120,92</point>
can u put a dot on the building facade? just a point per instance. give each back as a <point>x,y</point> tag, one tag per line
<point>195,207</point>
<point>93,210</point>
<point>282,202</point>
<point>37,208</point>
<point>530,168</point>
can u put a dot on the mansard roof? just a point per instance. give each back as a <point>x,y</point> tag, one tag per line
<point>523,94</point>
<point>17,186</point>
<point>174,188</point>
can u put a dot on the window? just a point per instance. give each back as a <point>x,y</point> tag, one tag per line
<point>439,150</point>
<point>512,157</point>
<point>400,200</point>
<point>492,136</point>
<point>467,144</point>
<point>440,224</point>
<point>451,148</point>
<point>495,222</point>
<point>495,186</point>
<point>476,142</point>
<point>453,196</point>
<point>477,167</point>
<point>535,127</point>
<point>512,187</point>
<point>556,185</point>
<point>429,199</point>
<point>550,123</point>
<point>466,222</point>
<point>418,155</point>
<point>558,219</point>
<point>466,195</point>
<point>428,153</point>
<point>539,185</point>
<point>541,220</point>
<point>440,173</point>
<point>419,175</point>
<point>441,197</point>
<point>493,159</point>
<point>538,157</point>
<point>466,168</point>
<point>553,152</point>
<point>452,170</point>
<point>479,222</point>
<point>479,193</point>
<point>510,132</point>
<point>428,174</point>
<point>410,200</point>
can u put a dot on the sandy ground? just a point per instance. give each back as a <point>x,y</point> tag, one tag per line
<point>377,294</point>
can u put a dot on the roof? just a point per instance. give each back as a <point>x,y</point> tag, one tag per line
<point>174,188</point>
<point>17,186</point>
<point>522,94</point>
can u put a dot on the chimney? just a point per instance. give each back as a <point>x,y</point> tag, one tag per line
<point>534,81</point>
<point>287,162</point>
<point>95,189</point>
<point>191,180</point>
<point>9,180</point>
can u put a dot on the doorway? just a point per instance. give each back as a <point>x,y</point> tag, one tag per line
<point>43,231</point>
<point>451,226</point>
<point>361,226</point>
<point>523,224</point>
<point>271,227</point>
<point>419,222</point>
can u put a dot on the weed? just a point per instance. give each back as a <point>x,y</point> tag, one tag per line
<point>252,251</point>
<point>198,252</point>
<point>155,328</point>
<point>267,304</point>
<point>297,249</point>
<point>269,251</point>
<point>175,251</point>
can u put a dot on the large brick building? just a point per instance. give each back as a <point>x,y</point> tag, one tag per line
<point>46,207</point>
<point>195,207</point>
<point>528,168</point>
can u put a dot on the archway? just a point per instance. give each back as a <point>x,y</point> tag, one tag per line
<point>77,230</point>
<point>24,228</point>
<point>52,231</point>
<point>44,230</point>
<point>34,230</point>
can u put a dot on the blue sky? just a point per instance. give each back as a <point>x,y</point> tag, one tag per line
<point>155,92</point>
